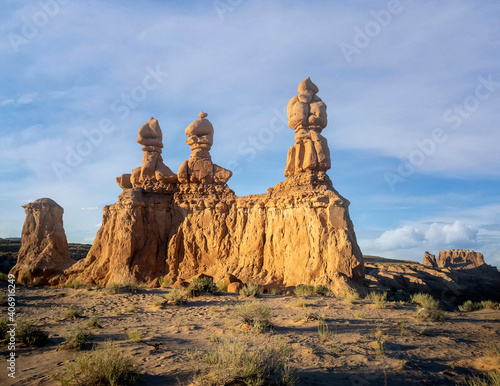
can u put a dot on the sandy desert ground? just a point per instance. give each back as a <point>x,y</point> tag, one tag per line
<point>412,352</point>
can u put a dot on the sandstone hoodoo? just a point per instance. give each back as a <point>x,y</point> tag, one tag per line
<point>44,251</point>
<point>182,225</point>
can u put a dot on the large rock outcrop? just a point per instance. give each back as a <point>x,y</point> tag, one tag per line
<point>299,232</point>
<point>460,259</point>
<point>44,249</point>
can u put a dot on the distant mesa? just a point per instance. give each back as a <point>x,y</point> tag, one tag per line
<point>455,259</point>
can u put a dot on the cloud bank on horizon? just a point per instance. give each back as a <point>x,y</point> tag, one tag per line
<point>412,89</point>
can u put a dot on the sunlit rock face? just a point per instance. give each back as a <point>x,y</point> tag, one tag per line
<point>299,232</point>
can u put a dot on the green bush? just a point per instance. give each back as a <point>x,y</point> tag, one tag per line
<point>135,336</point>
<point>255,314</point>
<point>430,314</point>
<point>304,290</point>
<point>74,284</point>
<point>235,363</point>
<point>351,297</point>
<point>176,297</point>
<point>164,282</point>
<point>31,335</point>
<point>425,301</point>
<point>72,313</point>
<point>251,289</point>
<point>106,366</point>
<point>322,290</point>
<point>492,378</point>
<point>76,338</point>
<point>468,306</point>
<point>201,285</point>
<point>94,322</point>
<point>378,298</point>
<point>116,288</point>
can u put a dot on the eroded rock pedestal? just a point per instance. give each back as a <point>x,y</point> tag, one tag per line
<point>44,251</point>
<point>299,232</point>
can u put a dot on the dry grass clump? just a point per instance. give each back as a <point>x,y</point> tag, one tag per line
<point>135,336</point>
<point>72,313</point>
<point>429,309</point>
<point>94,322</point>
<point>102,366</point>
<point>236,363</point>
<point>201,285</point>
<point>425,301</point>
<point>116,288</point>
<point>351,297</point>
<point>492,378</point>
<point>251,290</point>
<point>222,286</point>
<point>304,290</point>
<point>358,314</point>
<point>469,305</point>
<point>31,335</point>
<point>324,331</point>
<point>300,302</point>
<point>378,298</point>
<point>76,338</point>
<point>75,284</point>
<point>176,297</point>
<point>164,282</point>
<point>255,314</point>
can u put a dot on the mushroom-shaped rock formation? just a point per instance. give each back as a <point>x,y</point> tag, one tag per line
<point>307,117</point>
<point>200,168</point>
<point>153,173</point>
<point>44,251</point>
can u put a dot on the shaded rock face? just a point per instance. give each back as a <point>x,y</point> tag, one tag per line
<point>44,249</point>
<point>460,259</point>
<point>299,232</point>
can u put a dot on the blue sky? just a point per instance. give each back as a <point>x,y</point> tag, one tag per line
<point>412,88</point>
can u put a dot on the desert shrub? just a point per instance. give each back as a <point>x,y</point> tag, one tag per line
<point>492,378</point>
<point>31,334</point>
<point>379,346</point>
<point>74,284</point>
<point>468,306</point>
<point>164,282</point>
<point>135,336</point>
<point>116,288</point>
<point>94,322</point>
<point>255,314</point>
<point>176,297</point>
<point>324,331</point>
<point>222,286</point>
<point>4,276</point>
<point>251,289</point>
<point>378,298</point>
<point>351,297</point>
<point>358,314</point>
<point>304,290</point>
<point>489,304</point>
<point>105,366</point>
<point>72,313</point>
<point>402,327</point>
<point>201,285</point>
<point>425,301</point>
<point>430,314</point>
<point>322,290</point>
<point>76,338</point>
<point>300,302</point>
<point>233,362</point>
<point>3,299</point>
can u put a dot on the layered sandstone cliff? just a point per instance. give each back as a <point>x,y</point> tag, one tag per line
<point>181,225</point>
<point>460,259</point>
<point>44,251</point>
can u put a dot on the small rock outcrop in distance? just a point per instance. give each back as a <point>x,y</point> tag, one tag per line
<point>299,232</point>
<point>460,259</point>
<point>44,251</point>
<point>430,260</point>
